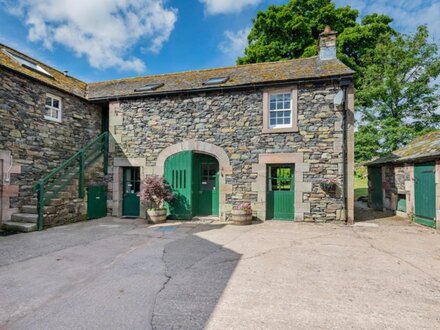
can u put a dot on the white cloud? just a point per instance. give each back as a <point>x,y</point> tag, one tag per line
<point>102,30</point>
<point>214,7</point>
<point>234,43</point>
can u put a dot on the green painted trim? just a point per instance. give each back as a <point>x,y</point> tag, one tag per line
<point>81,160</point>
<point>426,222</point>
<point>280,204</point>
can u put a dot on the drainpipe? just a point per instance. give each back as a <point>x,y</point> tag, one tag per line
<point>343,83</point>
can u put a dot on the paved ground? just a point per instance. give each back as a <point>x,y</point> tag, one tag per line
<point>122,274</point>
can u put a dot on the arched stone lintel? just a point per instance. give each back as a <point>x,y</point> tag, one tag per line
<point>194,145</point>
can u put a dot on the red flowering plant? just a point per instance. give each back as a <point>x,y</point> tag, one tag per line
<point>246,207</point>
<point>155,191</point>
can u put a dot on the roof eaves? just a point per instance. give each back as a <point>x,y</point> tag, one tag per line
<point>222,88</point>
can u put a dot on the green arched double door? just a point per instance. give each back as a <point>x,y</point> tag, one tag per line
<point>194,179</point>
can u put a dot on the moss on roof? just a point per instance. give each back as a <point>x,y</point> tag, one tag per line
<point>58,79</point>
<point>242,75</point>
<point>423,147</point>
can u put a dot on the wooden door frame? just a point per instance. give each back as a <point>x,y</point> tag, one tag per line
<point>423,220</point>
<point>123,188</point>
<point>196,181</point>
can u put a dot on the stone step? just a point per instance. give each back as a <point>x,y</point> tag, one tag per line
<point>53,202</point>
<point>32,209</point>
<point>23,227</point>
<point>24,217</point>
<point>64,194</point>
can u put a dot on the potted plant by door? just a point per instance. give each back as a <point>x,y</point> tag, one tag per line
<point>242,214</point>
<point>154,192</point>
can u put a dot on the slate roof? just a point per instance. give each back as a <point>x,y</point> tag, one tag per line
<point>58,79</point>
<point>424,147</point>
<point>241,76</point>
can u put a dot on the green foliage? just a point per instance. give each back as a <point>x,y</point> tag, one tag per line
<point>397,95</point>
<point>291,30</point>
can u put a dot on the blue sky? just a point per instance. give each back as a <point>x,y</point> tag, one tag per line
<point>107,39</point>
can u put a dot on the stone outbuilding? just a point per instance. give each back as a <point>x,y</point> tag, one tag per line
<point>276,135</point>
<point>407,181</point>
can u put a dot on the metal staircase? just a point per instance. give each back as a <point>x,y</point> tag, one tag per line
<point>66,182</point>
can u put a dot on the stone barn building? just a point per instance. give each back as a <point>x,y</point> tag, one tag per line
<point>277,135</point>
<point>407,181</point>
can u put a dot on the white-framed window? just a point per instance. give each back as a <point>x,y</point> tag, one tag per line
<point>280,110</point>
<point>53,108</point>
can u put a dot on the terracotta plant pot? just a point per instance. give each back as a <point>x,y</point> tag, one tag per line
<point>241,217</point>
<point>157,216</point>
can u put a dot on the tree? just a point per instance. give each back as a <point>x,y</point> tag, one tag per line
<point>398,94</point>
<point>291,31</point>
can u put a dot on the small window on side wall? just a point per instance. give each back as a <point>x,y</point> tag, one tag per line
<point>280,111</point>
<point>53,108</point>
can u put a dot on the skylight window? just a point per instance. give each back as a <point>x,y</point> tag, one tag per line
<point>149,87</point>
<point>216,80</point>
<point>26,63</point>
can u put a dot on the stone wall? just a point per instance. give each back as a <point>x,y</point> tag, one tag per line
<point>397,181</point>
<point>142,128</point>
<point>38,145</point>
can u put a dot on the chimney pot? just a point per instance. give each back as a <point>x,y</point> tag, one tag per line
<point>327,44</point>
<point>66,72</point>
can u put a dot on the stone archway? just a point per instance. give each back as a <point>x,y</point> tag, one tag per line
<point>225,167</point>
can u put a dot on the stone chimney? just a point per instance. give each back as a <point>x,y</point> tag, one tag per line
<point>327,44</point>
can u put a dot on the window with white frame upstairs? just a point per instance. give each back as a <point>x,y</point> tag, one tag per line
<point>280,110</point>
<point>53,108</point>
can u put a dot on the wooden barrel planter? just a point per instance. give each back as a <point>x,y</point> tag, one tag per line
<point>157,216</point>
<point>241,217</point>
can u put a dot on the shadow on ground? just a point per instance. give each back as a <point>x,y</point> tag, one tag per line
<point>198,272</point>
<point>119,276</point>
<point>363,213</point>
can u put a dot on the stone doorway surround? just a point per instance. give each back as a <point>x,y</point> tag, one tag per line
<point>115,187</point>
<point>301,187</point>
<point>225,167</point>
<point>6,189</point>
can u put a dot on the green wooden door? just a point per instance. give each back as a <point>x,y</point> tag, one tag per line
<point>206,185</point>
<point>96,202</point>
<point>375,178</point>
<point>179,175</point>
<point>131,186</point>
<point>280,192</point>
<point>424,194</point>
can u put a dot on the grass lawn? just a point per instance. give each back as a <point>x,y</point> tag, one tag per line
<point>360,187</point>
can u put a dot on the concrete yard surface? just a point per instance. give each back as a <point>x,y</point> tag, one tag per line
<point>123,274</point>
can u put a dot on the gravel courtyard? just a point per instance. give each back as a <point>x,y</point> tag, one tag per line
<point>122,274</point>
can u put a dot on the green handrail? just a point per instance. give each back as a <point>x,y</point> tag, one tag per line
<point>80,156</point>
